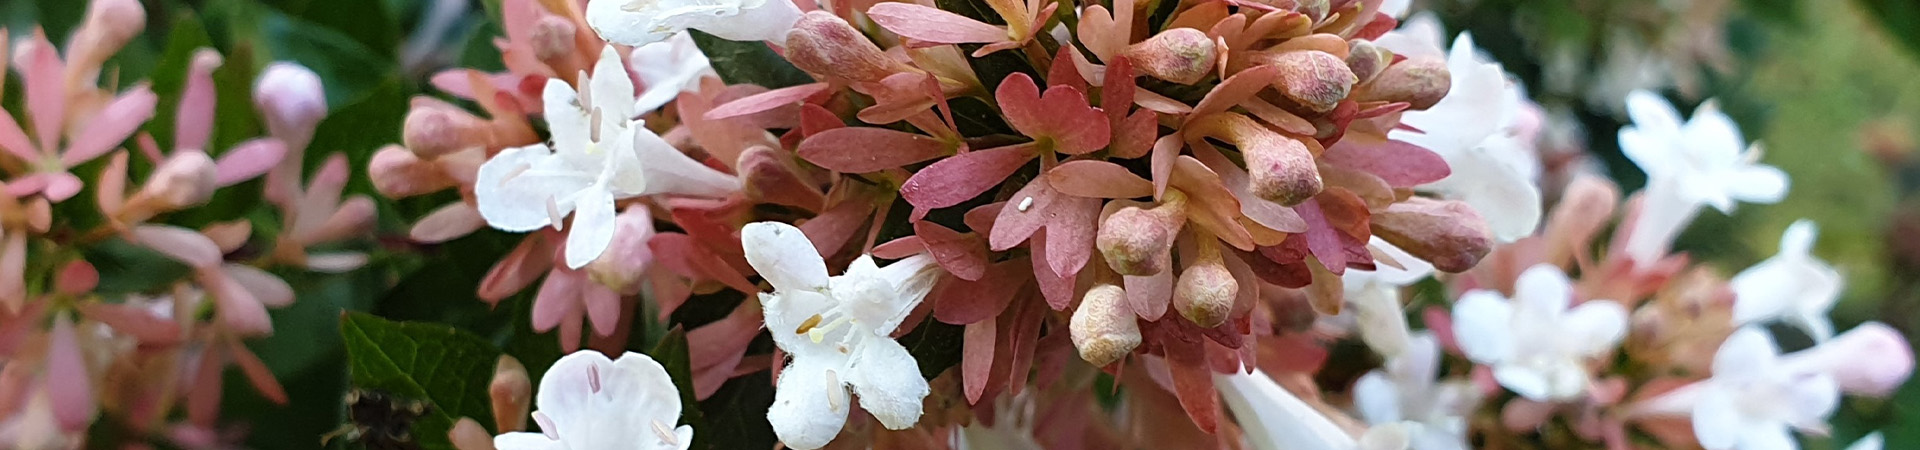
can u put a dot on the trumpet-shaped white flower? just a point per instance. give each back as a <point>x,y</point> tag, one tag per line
<point>1375,295</point>
<point>1405,390</point>
<point>1276,419</point>
<point>587,402</point>
<point>838,330</point>
<point>667,68</point>
<point>1688,165</point>
<point>1753,401</point>
<point>1476,129</point>
<point>599,154</point>
<point>1792,285</point>
<point>642,22</point>
<point>1537,345</point>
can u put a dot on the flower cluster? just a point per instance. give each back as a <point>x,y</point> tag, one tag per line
<point>148,355</point>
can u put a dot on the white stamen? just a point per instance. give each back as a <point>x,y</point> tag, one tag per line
<point>593,129</point>
<point>1026,203</point>
<point>553,214</point>
<point>546,426</point>
<point>593,379</point>
<point>665,434</point>
<point>585,93</point>
<point>820,333</point>
<point>834,390</point>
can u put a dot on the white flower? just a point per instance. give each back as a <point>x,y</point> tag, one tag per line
<point>667,68</point>
<point>1274,418</point>
<point>1375,295</point>
<point>587,402</point>
<point>1476,129</point>
<point>1688,165</point>
<point>838,331</point>
<point>599,154</point>
<point>1792,286</point>
<point>1404,391</point>
<point>1752,401</point>
<point>1537,346</point>
<point>642,22</point>
<point>1872,441</point>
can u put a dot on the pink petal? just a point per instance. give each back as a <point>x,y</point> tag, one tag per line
<point>960,302</point>
<point>1075,127</point>
<point>61,186</point>
<point>962,254</point>
<point>40,68</point>
<point>111,192</point>
<point>1063,73</point>
<point>133,321</point>
<point>1165,151</point>
<point>1098,179</point>
<point>239,311</point>
<point>193,122</point>
<point>13,269</point>
<point>976,363</point>
<point>76,278</point>
<point>270,290</point>
<point>248,160</point>
<point>558,298</point>
<point>932,24</point>
<point>1236,88</point>
<point>1134,138</point>
<point>1149,295</point>
<point>14,140</point>
<point>899,248</point>
<point>1117,90</point>
<point>961,177</point>
<point>1193,385</point>
<point>518,269</point>
<point>1400,164</point>
<point>815,119</point>
<point>68,384</point>
<point>602,306</point>
<point>1015,223</point>
<point>831,230</point>
<point>1056,288</point>
<point>181,244</point>
<point>257,373</point>
<point>447,223</point>
<point>111,126</point>
<point>869,149</point>
<point>1070,235</point>
<point>1019,100</point>
<point>1215,207</point>
<point>766,101</point>
<point>717,348</point>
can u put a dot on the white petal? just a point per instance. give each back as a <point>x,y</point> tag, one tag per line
<point>1764,292</point>
<point>613,22</point>
<point>784,256</point>
<point>667,68</point>
<point>1483,326</point>
<point>1711,137</point>
<point>1799,237</point>
<point>1717,420</point>
<point>1757,184</point>
<point>768,21</point>
<point>912,279</point>
<point>1594,327</point>
<point>1542,290</point>
<point>1664,211</point>
<point>643,389</point>
<point>1810,399</point>
<point>592,228</point>
<point>526,441</point>
<point>1381,321</point>
<point>1422,360</point>
<point>1525,381</point>
<point>1376,398</point>
<point>513,189</point>
<point>1652,113</point>
<point>1506,198</point>
<point>1748,351</point>
<point>668,171</point>
<point>1773,437</point>
<point>1873,441</point>
<point>1652,153</point>
<point>786,310</point>
<point>808,408</point>
<point>567,123</point>
<point>888,381</point>
<point>612,89</point>
<point>567,395</point>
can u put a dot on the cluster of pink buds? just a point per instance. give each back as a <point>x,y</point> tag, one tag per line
<point>152,362</point>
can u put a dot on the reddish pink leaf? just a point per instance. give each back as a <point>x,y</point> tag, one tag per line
<point>958,301</point>
<point>1026,334</point>
<point>962,254</point>
<point>765,101</point>
<point>40,73</point>
<point>257,373</point>
<point>899,248</point>
<point>1238,87</point>
<point>67,382</point>
<point>976,358</point>
<point>1022,214</point>
<point>830,230</point>
<point>815,119</point>
<point>1134,137</point>
<point>953,180</point>
<point>247,160</point>
<point>1116,95</point>
<point>1097,179</point>
<point>1061,115</point>
<point>717,347</point>
<point>1149,295</point>
<point>1193,385</point>
<point>1055,288</point>
<point>982,217</point>
<point>869,149</point>
<point>932,24</point>
<point>133,321</point>
<point>1063,73</point>
<point>1164,152</point>
<point>1071,234</point>
<point>111,126</point>
<point>1218,211</point>
<point>1019,100</point>
<point>1321,237</point>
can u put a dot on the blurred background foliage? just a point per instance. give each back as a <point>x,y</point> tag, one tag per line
<point>1831,87</point>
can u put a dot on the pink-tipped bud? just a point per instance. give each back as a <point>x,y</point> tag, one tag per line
<point>1179,55</point>
<point>1419,82</point>
<point>552,38</point>
<point>1137,241</point>
<point>822,43</point>
<point>1103,328</point>
<point>109,25</point>
<point>292,101</point>
<point>1871,359</point>
<point>511,392</point>
<point>433,129</point>
<point>1280,169</point>
<point>623,266</point>
<point>1447,233</point>
<point>1314,80</point>
<point>186,179</point>
<point>1206,290</point>
<point>770,176</point>
<point>467,434</point>
<point>398,173</point>
<point>1367,60</point>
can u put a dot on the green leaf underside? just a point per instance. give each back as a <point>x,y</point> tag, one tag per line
<point>422,361</point>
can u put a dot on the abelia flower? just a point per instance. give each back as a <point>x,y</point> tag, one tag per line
<point>933,26</point>
<point>589,402</point>
<point>1792,286</point>
<point>666,69</point>
<point>641,22</point>
<point>95,132</point>
<point>1872,441</point>
<point>1404,390</point>
<point>1751,402</point>
<point>1274,418</point>
<point>1688,165</point>
<point>599,154</point>
<point>838,330</point>
<point>1538,343</point>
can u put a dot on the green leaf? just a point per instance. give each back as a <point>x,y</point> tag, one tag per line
<point>347,67</point>
<point>749,62</point>
<point>126,268</point>
<point>1897,17</point>
<point>365,21</point>
<point>432,362</point>
<point>672,353</point>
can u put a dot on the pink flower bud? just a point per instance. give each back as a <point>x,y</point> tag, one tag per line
<point>184,180</point>
<point>433,129</point>
<point>467,434</point>
<point>770,176</point>
<point>293,101</point>
<point>398,173</point>
<point>1315,80</point>
<point>552,37</point>
<point>1103,328</point>
<point>108,27</point>
<point>1179,55</point>
<point>1205,293</point>
<point>822,43</point>
<point>1280,169</point>
<point>1871,359</point>
<point>511,392</point>
<point>1447,233</point>
<point>1419,82</point>
<point>1367,60</point>
<point>1137,241</point>
<point>623,266</point>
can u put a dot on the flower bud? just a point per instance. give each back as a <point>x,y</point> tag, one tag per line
<point>822,43</point>
<point>1137,241</point>
<point>1367,60</point>
<point>1206,290</point>
<point>1314,9</point>
<point>1447,233</point>
<point>623,266</point>
<point>552,38</point>
<point>1871,359</point>
<point>1179,55</point>
<point>292,101</point>
<point>108,27</point>
<point>1102,328</point>
<point>769,176</point>
<point>1419,82</point>
<point>433,129</point>
<point>1280,169</point>
<point>1314,80</point>
<point>398,173</point>
<point>186,179</point>
<point>467,434</point>
<point>511,392</point>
